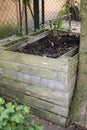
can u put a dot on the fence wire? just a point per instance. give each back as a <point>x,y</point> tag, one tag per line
<point>13,16</point>
<point>9,18</point>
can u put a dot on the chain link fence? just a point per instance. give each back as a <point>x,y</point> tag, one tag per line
<point>9,18</point>
<point>15,16</point>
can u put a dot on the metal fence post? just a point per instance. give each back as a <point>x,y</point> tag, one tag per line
<point>26,20</point>
<point>43,14</point>
<point>36,14</point>
<point>20,15</point>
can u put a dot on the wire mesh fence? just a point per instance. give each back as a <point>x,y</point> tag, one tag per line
<point>14,15</point>
<point>9,18</point>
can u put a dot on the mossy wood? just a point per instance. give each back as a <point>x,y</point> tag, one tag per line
<point>81,90</point>
<point>46,84</point>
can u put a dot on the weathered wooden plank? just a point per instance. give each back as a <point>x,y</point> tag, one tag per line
<point>35,102</point>
<point>45,62</point>
<point>35,71</point>
<point>72,52</point>
<point>62,83</point>
<point>42,113</point>
<point>33,79</point>
<point>35,38</point>
<point>37,32</point>
<point>42,72</point>
<point>38,91</point>
<point>57,119</point>
<point>51,84</point>
<point>43,96</point>
<point>14,41</point>
<point>31,39</point>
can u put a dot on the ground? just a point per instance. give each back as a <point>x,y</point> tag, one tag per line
<point>81,124</point>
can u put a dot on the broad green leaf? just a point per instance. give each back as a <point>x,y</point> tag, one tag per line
<point>14,126</point>
<point>4,115</point>
<point>1,124</point>
<point>18,118</point>
<point>20,127</point>
<point>1,101</point>
<point>30,128</point>
<point>5,123</point>
<point>19,108</point>
<point>26,110</point>
<point>1,109</point>
<point>7,127</point>
<point>38,127</point>
<point>10,110</point>
<point>8,105</point>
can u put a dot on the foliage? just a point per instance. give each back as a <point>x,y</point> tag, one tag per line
<point>66,10</point>
<point>19,33</point>
<point>70,4</point>
<point>42,27</point>
<point>26,2</point>
<point>6,29</point>
<point>12,117</point>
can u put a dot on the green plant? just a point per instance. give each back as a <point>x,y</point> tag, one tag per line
<point>71,4</point>
<point>6,29</point>
<point>42,26</point>
<point>59,20</point>
<point>50,24</point>
<point>13,117</point>
<point>19,33</point>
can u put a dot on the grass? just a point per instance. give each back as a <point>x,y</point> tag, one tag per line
<point>6,29</point>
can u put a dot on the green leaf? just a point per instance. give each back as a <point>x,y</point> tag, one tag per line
<point>5,123</point>
<point>14,126</point>
<point>1,109</point>
<point>26,110</point>
<point>8,105</point>
<point>4,115</point>
<point>59,23</point>
<point>10,110</point>
<point>1,101</point>
<point>20,127</point>
<point>30,128</point>
<point>19,108</point>
<point>38,127</point>
<point>7,127</point>
<point>1,124</point>
<point>18,118</point>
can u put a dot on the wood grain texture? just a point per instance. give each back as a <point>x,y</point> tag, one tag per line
<point>34,102</point>
<point>42,113</point>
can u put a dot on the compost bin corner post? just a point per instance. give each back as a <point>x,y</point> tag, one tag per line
<point>81,87</point>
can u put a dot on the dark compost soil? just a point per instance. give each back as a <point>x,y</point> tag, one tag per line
<point>51,46</point>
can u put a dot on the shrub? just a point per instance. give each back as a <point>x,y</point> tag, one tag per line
<point>13,117</point>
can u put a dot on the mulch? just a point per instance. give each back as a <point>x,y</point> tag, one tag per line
<point>51,46</point>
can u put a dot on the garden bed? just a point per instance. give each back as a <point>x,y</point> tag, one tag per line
<point>46,84</point>
<point>51,46</point>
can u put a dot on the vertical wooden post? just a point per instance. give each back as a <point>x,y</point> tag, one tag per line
<point>36,14</point>
<point>81,90</point>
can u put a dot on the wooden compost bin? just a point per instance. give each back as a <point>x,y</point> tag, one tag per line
<point>45,84</point>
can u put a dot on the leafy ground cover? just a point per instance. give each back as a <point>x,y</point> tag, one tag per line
<point>13,117</point>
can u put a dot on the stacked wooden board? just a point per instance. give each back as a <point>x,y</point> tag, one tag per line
<point>45,84</point>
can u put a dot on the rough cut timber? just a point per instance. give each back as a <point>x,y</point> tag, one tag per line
<point>45,84</point>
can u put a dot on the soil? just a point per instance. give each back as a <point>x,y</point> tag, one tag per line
<point>51,126</point>
<point>51,46</point>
